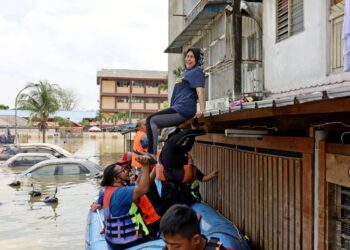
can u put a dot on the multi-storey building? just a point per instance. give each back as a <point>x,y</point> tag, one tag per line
<point>137,93</point>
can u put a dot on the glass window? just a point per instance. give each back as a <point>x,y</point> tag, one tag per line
<point>44,170</point>
<point>123,99</point>
<point>123,83</point>
<point>71,169</point>
<point>151,84</point>
<point>138,84</point>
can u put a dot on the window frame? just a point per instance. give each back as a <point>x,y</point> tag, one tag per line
<point>290,21</point>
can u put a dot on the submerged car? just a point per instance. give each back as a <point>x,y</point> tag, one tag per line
<point>64,166</point>
<point>123,127</point>
<point>13,149</point>
<point>27,159</point>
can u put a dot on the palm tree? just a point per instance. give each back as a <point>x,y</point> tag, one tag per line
<point>123,116</point>
<point>100,117</point>
<point>42,101</point>
<point>114,118</point>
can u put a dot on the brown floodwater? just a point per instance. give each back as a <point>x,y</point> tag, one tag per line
<point>29,223</point>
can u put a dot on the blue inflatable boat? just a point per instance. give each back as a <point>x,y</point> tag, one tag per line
<point>212,225</point>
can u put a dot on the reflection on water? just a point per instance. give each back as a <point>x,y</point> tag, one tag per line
<point>29,223</point>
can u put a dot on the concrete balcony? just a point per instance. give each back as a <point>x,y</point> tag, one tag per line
<point>163,92</point>
<point>136,90</point>
<point>137,106</point>
<point>122,105</point>
<point>123,90</point>
<point>152,106</point>
<point>152,90</point>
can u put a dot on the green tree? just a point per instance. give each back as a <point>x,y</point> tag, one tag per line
<point>85,122</point>
<point>123,116</point>
<point>113,118</point>
<point>178,71</point>
<point>62,122</point>
<point>2,107</point>
<point>163,86</point>
<point>100,117</point>
<point>164,105</point>
<point>42,101</point>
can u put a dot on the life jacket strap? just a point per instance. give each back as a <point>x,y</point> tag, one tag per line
<point>132,225</point>
<point>127,217</point>
<point>123,235</point>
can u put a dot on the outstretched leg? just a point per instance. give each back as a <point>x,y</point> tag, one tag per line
<point>162,119</point>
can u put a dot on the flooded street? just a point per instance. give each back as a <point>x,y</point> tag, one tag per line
<point>29,223</point>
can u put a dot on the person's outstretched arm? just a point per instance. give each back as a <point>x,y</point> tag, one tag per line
<point>143,184</point>
<point>201,99</point>
<point>210,176</point>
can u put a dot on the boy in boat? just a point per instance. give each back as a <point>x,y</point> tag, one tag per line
<point>181,230</point>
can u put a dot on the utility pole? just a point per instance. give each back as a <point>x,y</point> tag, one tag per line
<point>130,106</point>
<point>237,48</point>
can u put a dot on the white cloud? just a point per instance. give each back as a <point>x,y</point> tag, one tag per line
<point>66,41</point>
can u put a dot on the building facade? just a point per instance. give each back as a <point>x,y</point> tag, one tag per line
<point>282,158</point>
<point>136,93</point>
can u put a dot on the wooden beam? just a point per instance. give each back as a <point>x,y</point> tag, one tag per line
<point>334,148</point>
<point>284,143</point>
<point>331,106</point>
<point>322,196</point>
<point>307,202</point>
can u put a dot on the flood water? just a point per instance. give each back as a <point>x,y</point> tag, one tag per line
<point>28,223</point>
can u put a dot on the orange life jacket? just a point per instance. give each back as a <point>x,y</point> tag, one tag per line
<point>189,171</point>
<point>149,214</point>
<point>107,195</point>
<point>138,146</point>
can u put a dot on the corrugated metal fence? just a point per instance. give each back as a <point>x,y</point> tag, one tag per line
<point>268,196</point>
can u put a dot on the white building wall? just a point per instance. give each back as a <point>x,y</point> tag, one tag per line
<point>296,61</point>
<point>176,25</point>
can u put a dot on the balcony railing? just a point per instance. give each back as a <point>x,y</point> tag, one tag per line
<point>152,90</point>
<point>123,90</point>
<point>140,105</point>
<point>122,105</point>
<point>336,19</point>
<point>138,90</point>
<point>152,106</point>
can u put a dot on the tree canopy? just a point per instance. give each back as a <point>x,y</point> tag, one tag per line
<point>42,100</point>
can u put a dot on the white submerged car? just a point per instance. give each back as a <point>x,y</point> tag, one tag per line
<point>64,166</point>
<point>26,159</point>
<point>13,149</point>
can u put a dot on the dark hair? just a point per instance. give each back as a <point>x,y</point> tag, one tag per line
<point>108,175</point>
<point>198,55</point>
<point>180,220</point>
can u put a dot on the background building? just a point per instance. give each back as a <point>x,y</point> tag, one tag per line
<point>136,93</point>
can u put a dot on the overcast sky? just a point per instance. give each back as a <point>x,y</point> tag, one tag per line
<point>66,41</point>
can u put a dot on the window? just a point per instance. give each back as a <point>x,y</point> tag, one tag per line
<point>289,18</point>
<point>137,100</point>
<point>70,169</point>
<point>44,170</point>
<point>137,115</point>
<point>123,99</point>
<point>138,84</point>
<point>123,84</point>
<point>152,84</point>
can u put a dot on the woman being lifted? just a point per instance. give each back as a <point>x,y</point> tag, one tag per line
<point>188,89</point>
